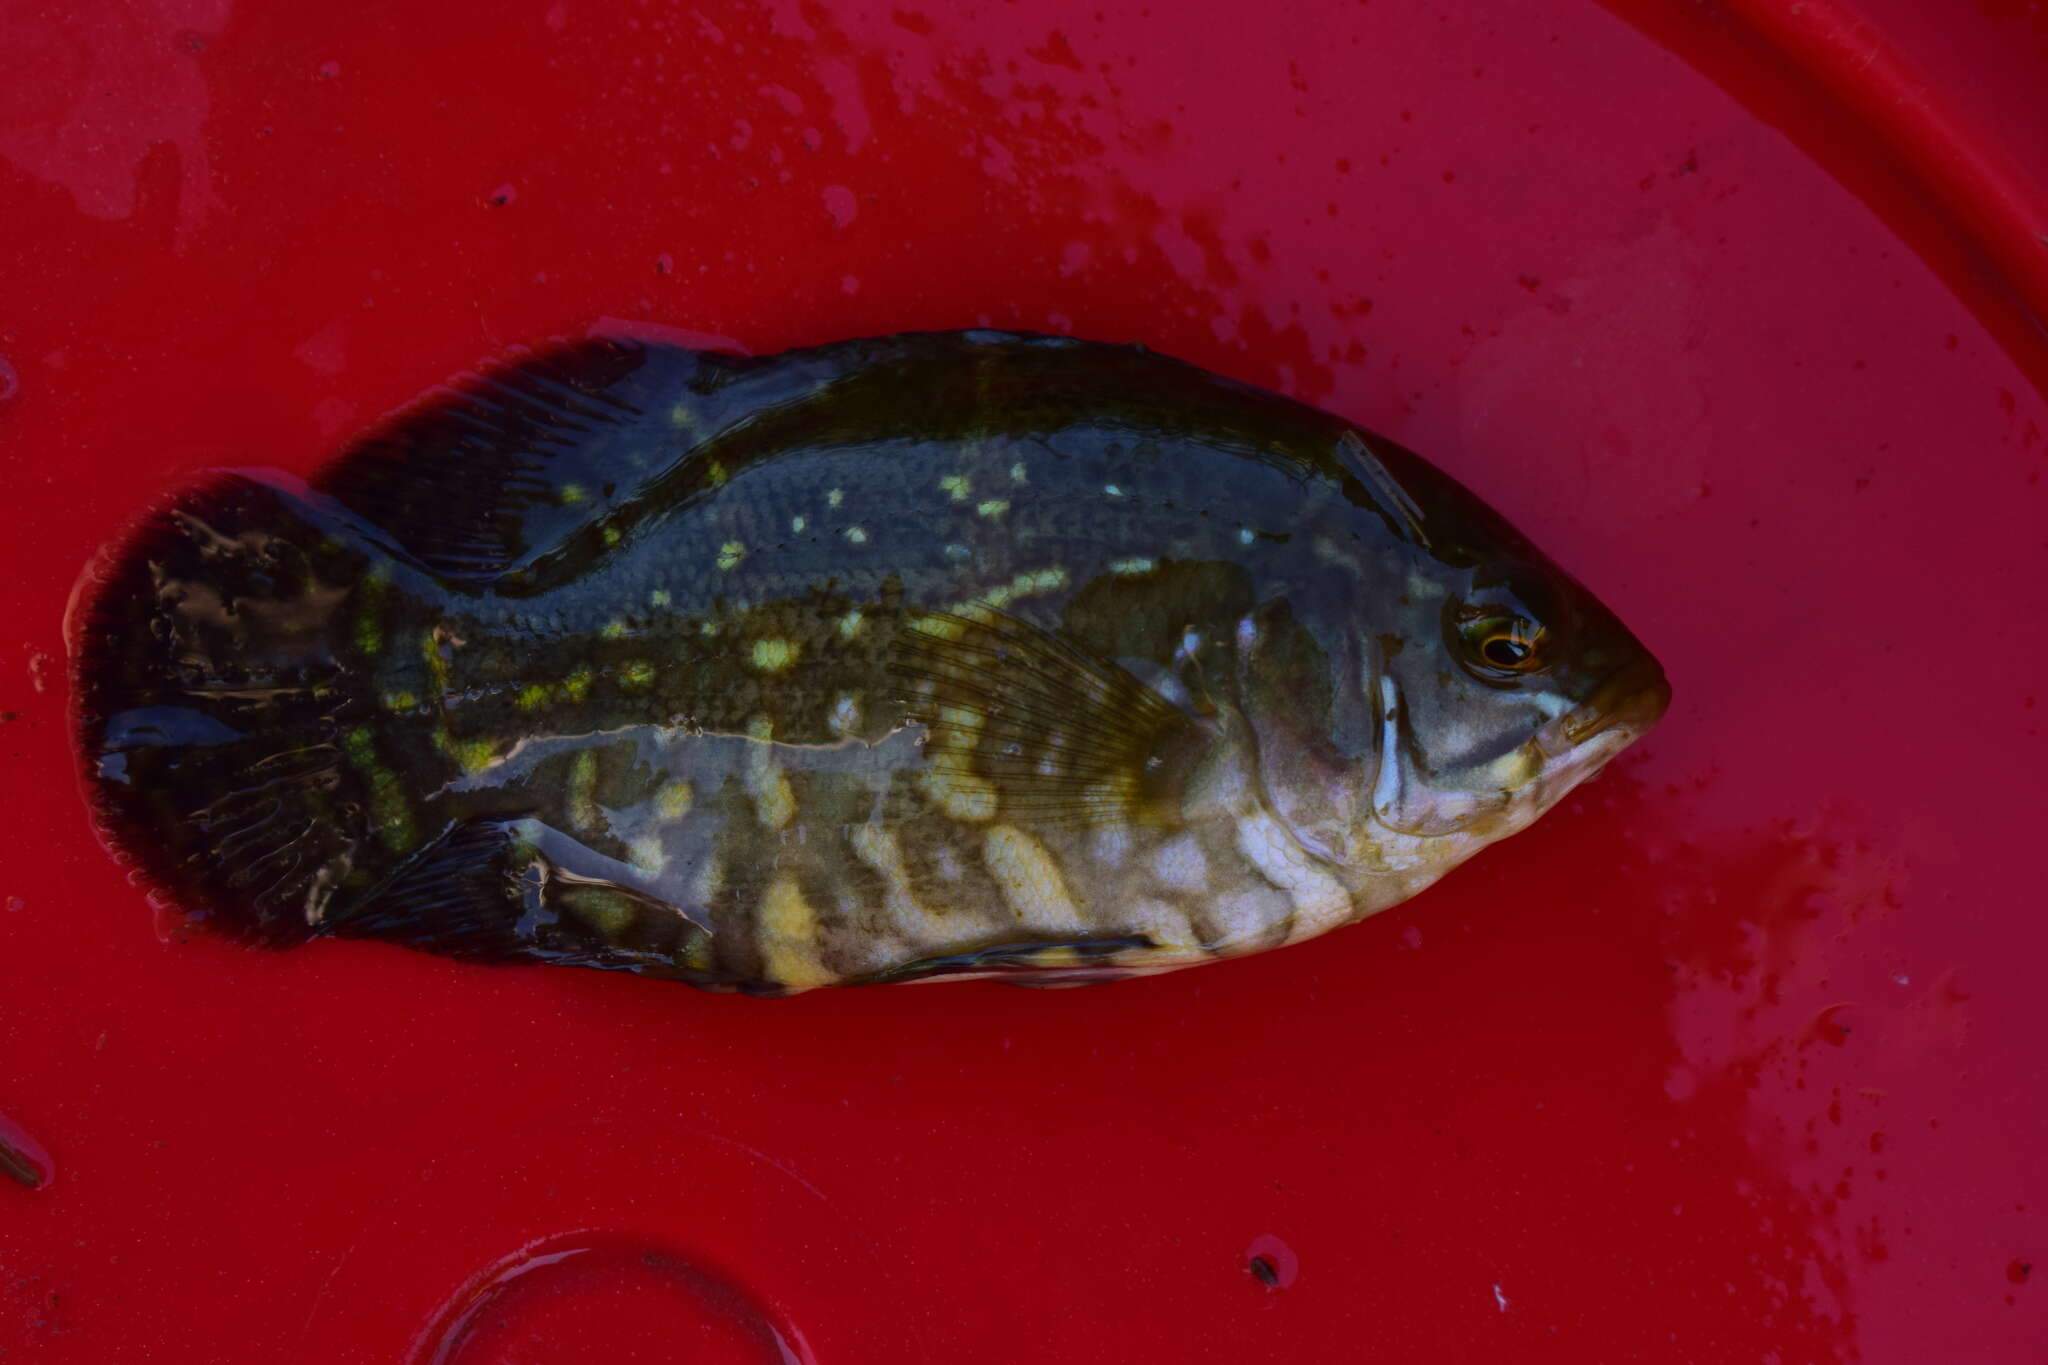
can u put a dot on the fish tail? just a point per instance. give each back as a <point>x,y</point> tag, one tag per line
<point>223,688</point>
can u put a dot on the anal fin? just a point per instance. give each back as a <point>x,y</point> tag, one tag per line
<point>1073,960</point>
<point>486,891</point>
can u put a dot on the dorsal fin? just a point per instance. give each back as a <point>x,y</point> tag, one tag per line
<point>494,468</point>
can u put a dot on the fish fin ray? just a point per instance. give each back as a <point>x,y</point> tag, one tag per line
<point>1075,956</point>
<point>496,470</point>
<point>1063,735</point>
<point>484,892</point>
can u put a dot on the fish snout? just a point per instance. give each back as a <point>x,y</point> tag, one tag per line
<point>1627,703</point>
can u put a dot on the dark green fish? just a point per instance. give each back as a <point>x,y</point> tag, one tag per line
<point>953,654</point>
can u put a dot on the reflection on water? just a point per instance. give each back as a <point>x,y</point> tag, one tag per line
<point>597,1297</point>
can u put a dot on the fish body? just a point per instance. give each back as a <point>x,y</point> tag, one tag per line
<point>937,655</point>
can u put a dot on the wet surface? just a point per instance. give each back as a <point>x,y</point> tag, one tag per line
<point>616,1299</point>
<point>1730,1056</point>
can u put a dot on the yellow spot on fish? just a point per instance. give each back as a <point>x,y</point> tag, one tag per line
<point>613,630</point>
<point>956,486</point>
<point>647,854</point>
<point>774,798</point>
<point>436,662</point>
<point>600,907</point>
<point>939,627</point>
<point>1180,865</point>
<point>637,674</point>
<point>718,474</point>
<point>583,811</point>
<point>471,755</point>
<point>773,655</point>
<point>1029,880</point>
<point>576,685</point>
<point>680,417</point>
<point>1319,900</point>
<point>708,628</point>
<point>992,507</point>
<point>388,808</point>
<point>789,937</point>
<point>572,493</point>
<point>674,800</point>
<point>1130,567</point>
<point>659,597</point>
<point>874,845</point>
<point>834,496</point>
<point>611,535</point>
<point>1166,926</point>
<point>849,625</point>
<point>400,701</point>
<point>856,535</point>
<point>1017,473</point>
<point>707,881</point>
<point>369,631</point>
<point>949,784</point>
<point>961,795</point>
<point>796,525</point>
<point>731,553</point>
<point>845,715</point>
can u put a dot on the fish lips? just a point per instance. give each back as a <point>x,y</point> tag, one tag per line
<point>1624,706</point>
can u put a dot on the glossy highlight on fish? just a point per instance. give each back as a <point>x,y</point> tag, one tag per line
<point>935,655</point>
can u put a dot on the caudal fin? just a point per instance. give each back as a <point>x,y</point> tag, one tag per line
<point>216,668</point>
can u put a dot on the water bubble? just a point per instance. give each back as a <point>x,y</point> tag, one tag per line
<point>329,70</point>
<point>502,196</point>
<point>601,1298</point>
<point>840,203</point>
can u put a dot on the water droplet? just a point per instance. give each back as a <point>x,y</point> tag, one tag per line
<point>850,283</point>
<point>599,1298</point>
<point>329,70</point>
<point>1272,1262</point>
<point>840,203</point>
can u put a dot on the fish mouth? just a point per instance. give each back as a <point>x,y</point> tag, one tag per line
<point>1625,705</point>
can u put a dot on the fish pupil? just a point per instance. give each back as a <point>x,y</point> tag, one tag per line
<point>1504,651</point>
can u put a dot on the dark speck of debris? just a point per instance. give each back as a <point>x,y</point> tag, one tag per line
<point>1264,1271</point>
<point>2020,1271</point>
<point>6,716</point>
<point>502,196</point>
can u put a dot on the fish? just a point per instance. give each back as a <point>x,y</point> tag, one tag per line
<point>945,655</point>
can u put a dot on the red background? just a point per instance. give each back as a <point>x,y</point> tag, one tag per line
<point>1738,1057</point>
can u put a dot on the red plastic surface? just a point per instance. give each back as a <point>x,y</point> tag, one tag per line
<point>1736,1058</point>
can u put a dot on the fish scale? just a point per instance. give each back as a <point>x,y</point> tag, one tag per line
<point>942,655</point>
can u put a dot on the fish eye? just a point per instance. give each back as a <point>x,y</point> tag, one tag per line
<point>1505,644</point>
<point>1507,628</point>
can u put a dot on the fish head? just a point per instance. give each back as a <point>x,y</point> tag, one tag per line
<point>1449,690</point>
